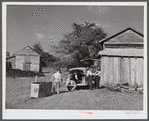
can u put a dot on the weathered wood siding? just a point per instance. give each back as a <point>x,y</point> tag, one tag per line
<point>122,59</point>
<point>27,59</point>
<point>19,62</point>
<point>119,70</point>
<point>35,63</point>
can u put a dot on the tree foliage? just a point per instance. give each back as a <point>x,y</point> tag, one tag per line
<point>46,57</point>
<point>38,48</point>
<point>82,42</point>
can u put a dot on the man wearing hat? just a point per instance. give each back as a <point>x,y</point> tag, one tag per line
<point>97,78</point>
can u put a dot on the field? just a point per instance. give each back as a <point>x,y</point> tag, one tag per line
<point>18,97</point>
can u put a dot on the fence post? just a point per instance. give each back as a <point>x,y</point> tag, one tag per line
<point>36,77</point>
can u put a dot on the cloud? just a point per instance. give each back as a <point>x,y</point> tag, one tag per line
<point>40,36</point>
<point>53,40</point>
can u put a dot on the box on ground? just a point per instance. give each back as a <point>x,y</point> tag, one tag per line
<point>40,89</point>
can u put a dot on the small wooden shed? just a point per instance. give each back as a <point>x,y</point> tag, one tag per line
<point>122,59</point>
<point>26,59</point>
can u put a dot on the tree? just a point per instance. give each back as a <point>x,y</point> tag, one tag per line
<point>46,57</point>
<point>82,42</point>
<point>38,48</point>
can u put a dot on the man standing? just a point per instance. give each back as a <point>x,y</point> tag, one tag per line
<point>56,79</point>
<point>73,78</point>
<point>97,78</point>
<point>89,77</point>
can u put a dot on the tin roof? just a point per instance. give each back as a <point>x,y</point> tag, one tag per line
<point>123,52</point>
<point>128,42</point>
<point>26,49</point>
<point>131,39</point>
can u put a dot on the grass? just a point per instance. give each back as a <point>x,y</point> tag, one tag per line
<point>18,97</point>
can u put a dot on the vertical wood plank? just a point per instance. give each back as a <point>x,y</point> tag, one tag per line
<point>127,70</point>
<point>119,71</point>
<point>135,70</point>
<point>132,72</point>
<point>102,71</point>
<point>142,72</point>
<point>129,81</point>
<point>110,71</point>
<point>138,71</point>
<point>105,70</point>
<point>114,70</point>
<point>122,70</point>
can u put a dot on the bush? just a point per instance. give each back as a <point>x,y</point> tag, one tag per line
<point>21,73</point>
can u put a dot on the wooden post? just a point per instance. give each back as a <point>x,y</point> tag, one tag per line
<point>36,77</point>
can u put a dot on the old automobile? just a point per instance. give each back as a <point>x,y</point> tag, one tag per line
<point>81,78</point>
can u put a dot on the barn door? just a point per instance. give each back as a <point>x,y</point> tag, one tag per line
<point>27,63</point>
<point>26,66</point>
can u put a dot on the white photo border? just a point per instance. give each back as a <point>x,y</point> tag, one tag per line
<point>72,114</point>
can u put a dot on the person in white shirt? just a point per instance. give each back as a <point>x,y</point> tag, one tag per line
<point>56,79</point>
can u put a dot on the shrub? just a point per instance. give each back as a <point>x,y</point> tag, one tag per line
<point>21,73</point>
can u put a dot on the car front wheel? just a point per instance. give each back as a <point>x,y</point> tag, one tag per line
<point>69,88</point>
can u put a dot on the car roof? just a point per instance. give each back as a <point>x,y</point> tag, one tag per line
<point>78,68</point>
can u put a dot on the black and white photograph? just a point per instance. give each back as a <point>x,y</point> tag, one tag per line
<point>71,60</point>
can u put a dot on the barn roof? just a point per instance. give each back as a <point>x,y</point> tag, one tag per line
<point>19,52</point>
<point>128,42</point>
<point>122,52</point>
<point>131,38</point>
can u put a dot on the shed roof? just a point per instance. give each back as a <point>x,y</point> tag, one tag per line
<point>26,49</point>
<point>130,36</point>
<point>122,52</point>
<point>126,37</point>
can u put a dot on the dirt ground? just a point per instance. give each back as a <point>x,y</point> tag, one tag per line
<point>18,97</point>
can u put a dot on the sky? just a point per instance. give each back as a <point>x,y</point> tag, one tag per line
<point>29,24</point>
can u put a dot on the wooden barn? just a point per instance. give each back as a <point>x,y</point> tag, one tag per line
<point>26,59</point>
<point>122,59</point>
